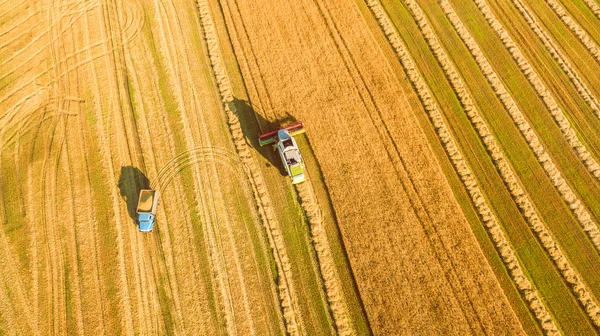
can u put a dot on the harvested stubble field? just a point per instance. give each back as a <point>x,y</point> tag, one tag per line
<point>452,153</point>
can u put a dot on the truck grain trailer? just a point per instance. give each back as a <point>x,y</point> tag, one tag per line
<point>146,209</point>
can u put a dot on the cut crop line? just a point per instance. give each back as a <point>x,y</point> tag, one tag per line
<point>288,300</point>
<point>581,33</point>
<point>326,261</point>
<point>593,7</point>
<point>554,50</point>
<point>580,290</point>
<point>527,290</point>
<point>571,199</point>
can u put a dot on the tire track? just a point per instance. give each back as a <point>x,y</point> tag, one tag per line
<point>92,233</point>
<point>127,140</point>
<point>72,241</point>
<point>127,129</point>
<point>215,199</point>
<point>486,215</point>
<point>578,287</point>
<point>165,249</point>
<point>289,305</point>
<point>50,179</point>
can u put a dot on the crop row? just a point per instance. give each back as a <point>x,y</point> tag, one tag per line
<point>577,207</point>
<point>579,288</point>
<point>501,243</point>
<point>554,50</point>
<point>581,33</point>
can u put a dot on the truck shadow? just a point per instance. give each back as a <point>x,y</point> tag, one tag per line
<point>131,181</point>
<point>254,123</point>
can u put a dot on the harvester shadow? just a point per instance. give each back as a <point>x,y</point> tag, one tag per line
<point>131,181</point>
<point>254,123</point>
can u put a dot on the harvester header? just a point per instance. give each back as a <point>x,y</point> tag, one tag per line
<point>271,137</point>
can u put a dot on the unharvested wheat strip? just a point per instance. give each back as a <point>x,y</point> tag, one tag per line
<point>580,290</point>
<point>581,33</point>
<point>576,206</point>
<point>289,305</point>
<point>554,50</point>
<point>526,288</point>
<point>335,295</point>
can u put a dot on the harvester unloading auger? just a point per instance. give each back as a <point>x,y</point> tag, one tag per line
<point>288,150</point>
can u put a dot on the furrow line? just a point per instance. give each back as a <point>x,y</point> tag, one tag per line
<point>571,199</point>
<point>580,290</point>
<point>554,50</point>
<point>287,294</point>
<point>508,255</point>
<point>580,32</point>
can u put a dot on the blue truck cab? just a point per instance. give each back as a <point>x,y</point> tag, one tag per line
<point>146,209</point>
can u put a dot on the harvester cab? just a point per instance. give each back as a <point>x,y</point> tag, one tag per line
<point>283,141</point>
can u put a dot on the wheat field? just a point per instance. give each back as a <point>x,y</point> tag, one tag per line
<point>452,153</point>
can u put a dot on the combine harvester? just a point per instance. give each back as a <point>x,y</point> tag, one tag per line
<point>146,209</point>
<point>288,149</point>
